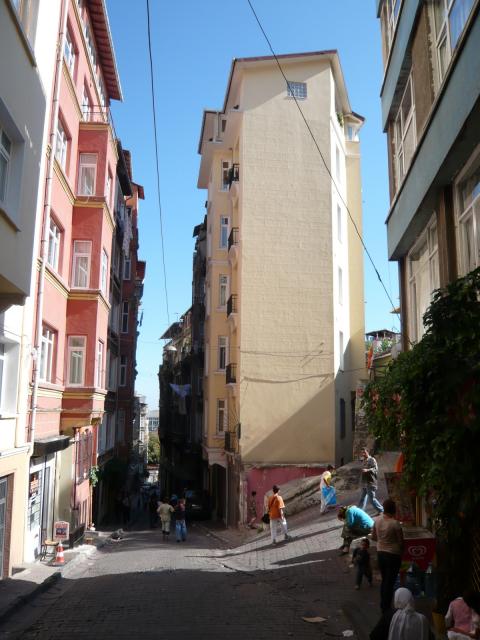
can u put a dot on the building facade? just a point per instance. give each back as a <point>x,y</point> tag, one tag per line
<point>28,35</point>
<point>431,115</point>
<point>284,328</point>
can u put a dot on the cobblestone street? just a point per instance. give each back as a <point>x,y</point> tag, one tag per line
<point>141,587</point>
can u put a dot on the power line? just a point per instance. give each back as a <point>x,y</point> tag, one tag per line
<point>323,159</point>
<point>156,158</point>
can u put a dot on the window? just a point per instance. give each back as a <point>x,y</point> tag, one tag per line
<point>27,12</point>
<point>297,90</point>
<point>338,171</point>
<point>101,90</point>
<point>108,188</point>
<point>46,355</point>
<point>104,273</point>
<point>90,45</point>
<point>222,352</point>
<point>469,221</point>
<point>342,419</point>
<point>405,133</point>
<point>423,274</point>
<point>53,245</point>
<point>390,12</point>
<point>61,145</point>
<point>125,316</point>
<point>123,371</point>
<point>5,154</point>
<point>81,264</point>
<point>340,285</point>
<point>76,360</point>
<point>225,175</point>
<point>224,223</point>
<point>127,268</point>
<point>339,223</point>
<point>222,290</point>
<point>341,348</point>
<point>69,52</point>
<point>99,368</point>
<point>450,18</point>
<point>221,415</point>
<point>87,173</point>
<point>86,105</point>
<point>112,371</point>
<point>121,425</point>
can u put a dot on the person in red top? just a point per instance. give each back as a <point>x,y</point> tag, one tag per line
<point>462,617</point>
<point>276,508</point>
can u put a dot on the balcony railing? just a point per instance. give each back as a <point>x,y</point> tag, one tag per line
<point>231,373</point>
<point>233,237</point>
<point>232,304</point>
<point>97,113</point>
<point>233,174</point>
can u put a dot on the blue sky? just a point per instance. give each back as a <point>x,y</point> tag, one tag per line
<point>193,46</point>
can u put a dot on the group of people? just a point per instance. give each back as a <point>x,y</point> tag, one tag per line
<point>168,511</point>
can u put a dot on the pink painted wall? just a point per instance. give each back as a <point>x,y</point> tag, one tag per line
<point>262,480</point>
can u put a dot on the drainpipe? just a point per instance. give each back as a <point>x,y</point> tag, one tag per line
<point>46,219</point>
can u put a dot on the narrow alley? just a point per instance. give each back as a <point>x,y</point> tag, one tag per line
<point>141,587</point>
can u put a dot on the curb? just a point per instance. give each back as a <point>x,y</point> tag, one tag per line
<point>22,600</point>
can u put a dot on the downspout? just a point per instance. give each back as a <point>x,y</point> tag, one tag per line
<point>46,220</point>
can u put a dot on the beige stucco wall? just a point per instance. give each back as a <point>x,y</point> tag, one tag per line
<point>17,465</point>
<point>284,338</point>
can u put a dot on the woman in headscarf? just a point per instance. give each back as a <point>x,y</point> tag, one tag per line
<point>406,623</point>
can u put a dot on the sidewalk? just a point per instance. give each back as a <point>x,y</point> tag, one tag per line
<point>33,578</point>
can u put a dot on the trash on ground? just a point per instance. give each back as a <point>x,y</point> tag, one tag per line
<point>315,619</point>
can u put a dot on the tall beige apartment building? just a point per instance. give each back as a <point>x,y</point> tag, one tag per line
<point>284,326</point>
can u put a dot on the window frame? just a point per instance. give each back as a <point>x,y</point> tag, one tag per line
<point>468,211</point>
<point>127,261</point>
<point>6,154</point>
<point>225,165</point>
<point>401,127</point>
<point>86,106</point>
<point>297,90</point>
<point>61,144</point>
<point>223,286</point>
<point>125,315</point>
<point>99,369</point>
<point>221,412</point>
<point>77,254</point>
<point>70,351</point>
<point>83,167</point>
<point>104,273</point>
<point>340,285</point>
<point>70,51</point>
<point>123,371</point>
<point>55,241</point>
<point>224,231</point>
<point>47,342</point>
<point>221,347</point>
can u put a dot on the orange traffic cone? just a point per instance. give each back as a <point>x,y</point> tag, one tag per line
<point>59,558</point>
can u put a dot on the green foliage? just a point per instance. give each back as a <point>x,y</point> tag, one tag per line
<point>153,449</point>
<point>94,475</point>
<point>428,403</point>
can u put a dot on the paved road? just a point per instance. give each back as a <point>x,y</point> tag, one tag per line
<point>141,587</point>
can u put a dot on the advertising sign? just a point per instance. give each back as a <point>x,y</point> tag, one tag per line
<point>61,530</point>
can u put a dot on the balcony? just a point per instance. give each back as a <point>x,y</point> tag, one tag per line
<point>232,304</point>
<point>233,238</point>
<point>231,373</point>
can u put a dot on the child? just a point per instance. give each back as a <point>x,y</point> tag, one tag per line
<point>361,559</point>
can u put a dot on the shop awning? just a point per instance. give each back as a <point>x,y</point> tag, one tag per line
<point>44,446</point>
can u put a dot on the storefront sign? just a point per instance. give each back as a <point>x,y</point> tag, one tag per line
<point>61,530</point>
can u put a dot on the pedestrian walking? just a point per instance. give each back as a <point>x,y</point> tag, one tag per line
<point>361,560</point>
<point>369,481</point>
<point>252,508</point>
<point>152,510</point>
<point>328,497</point>
<point>180,524</point>
<point>388,534</point>
<point>165,511</point>
<point>463,619</point>
<point>406,623</point>
<point>357,524</point>
<point>276,511</point>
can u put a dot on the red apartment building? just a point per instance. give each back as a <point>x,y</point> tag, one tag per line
<point>72,298</point>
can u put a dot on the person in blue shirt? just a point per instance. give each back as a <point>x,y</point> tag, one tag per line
<point>357,524</point>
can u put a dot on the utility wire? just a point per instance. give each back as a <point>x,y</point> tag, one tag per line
<point>156,159</point>
<point>323,160</point>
